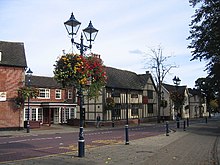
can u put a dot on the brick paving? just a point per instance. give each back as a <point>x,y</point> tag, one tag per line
<point>198,145</point>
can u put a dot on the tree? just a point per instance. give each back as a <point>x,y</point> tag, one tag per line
<point>159,69</point>
<point>205,31</point>
<point>206,87</point>
<point>205,38</point>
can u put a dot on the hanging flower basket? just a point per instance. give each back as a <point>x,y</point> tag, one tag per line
<point>24,93</point>
<point>85,71</point>
<point>110,103</point>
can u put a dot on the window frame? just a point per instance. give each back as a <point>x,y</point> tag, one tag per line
<point>46,93</point>
<point>150,94</point>
<point>70,94</point>
<point>58,94</point>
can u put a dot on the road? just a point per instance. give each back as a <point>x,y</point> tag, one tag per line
<point>38,145</point>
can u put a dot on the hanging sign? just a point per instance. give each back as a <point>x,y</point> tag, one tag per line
<point>2,96</point>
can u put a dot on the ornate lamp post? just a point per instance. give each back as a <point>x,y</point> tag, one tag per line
<point>176,81</point>
<point>29,74</point>
<point>72,27</point>
<point>126,125</point>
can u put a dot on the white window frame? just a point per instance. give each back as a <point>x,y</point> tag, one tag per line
<point>46,93</point>
<point>70,94</point>
<point>58,94</point>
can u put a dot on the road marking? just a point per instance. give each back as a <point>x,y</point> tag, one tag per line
<point>98,133</point>
<point>7,153</point>
<point>18,141</point>
<point>35,139</point>
<point>45,148</point>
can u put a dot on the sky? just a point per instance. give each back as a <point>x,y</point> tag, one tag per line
<point>128,30</point>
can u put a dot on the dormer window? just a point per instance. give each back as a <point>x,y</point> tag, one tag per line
<point>0,56</point>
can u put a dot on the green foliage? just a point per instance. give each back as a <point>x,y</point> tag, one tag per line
<point>24,93</point>
<point>163,103</point>
<point>110,103</point>
<point>205,40</point>
<point>177,98</point>
<point>205,31</point>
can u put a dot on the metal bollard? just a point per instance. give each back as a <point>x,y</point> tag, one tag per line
<point>177,123</point>
<point>167,128</point>
<point>187,122</point>
<point>184,125</point>
<point>206,119</point>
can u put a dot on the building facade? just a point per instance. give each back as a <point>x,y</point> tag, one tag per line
<point>12,76</point>
<point>134,97</point>
<point>54,104</point>
<point>197,104</point>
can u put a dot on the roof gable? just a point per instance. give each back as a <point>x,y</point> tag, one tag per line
<point>124,79</point>
<point>12,54</point>
<point>171,88</point>
<point>42,82</point>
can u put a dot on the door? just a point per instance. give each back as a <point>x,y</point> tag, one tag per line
<point>46,116</point>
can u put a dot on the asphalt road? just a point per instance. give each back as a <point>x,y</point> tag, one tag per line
<point>30,146</point>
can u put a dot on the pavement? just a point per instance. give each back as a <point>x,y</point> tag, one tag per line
<point>198,145</point>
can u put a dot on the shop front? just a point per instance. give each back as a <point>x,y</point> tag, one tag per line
<point>50,113</point>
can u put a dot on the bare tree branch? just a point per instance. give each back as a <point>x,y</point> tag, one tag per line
<point>159,69</point>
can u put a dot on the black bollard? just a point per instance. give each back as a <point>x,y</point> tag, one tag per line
<point>206,119</point>
<point>167,128</point>
<point>184,125</point>
<point>187,122</point>
<point>177,123</point>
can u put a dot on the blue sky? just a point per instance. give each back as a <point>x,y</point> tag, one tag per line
<point>128,29</point>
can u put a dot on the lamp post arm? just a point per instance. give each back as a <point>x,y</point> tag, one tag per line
<point>80,46</point>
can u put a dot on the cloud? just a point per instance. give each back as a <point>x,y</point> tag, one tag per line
<point>136,51</point>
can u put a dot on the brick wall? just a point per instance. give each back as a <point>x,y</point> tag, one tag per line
<point>11,78</point>
<point>52,97</point>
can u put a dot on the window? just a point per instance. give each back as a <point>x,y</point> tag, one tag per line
<point>150,108</point>
<point>72,113</point>
<point>134,109</point>
<point>40,114</point>
<point>44,93</point>
<point>116,94</point>
<point>33,114</point>
<point>150,94</point>
<point>58,94</point>
<point>70,94</point>
<point>134,95</point>
<point>26,114</point>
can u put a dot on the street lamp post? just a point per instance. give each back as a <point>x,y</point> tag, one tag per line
<point>29,74</point>
<point>113,109</point>
<point>176,81</point>
<point>162,95</point>
<point>126,126</point>
<point>72,27</point>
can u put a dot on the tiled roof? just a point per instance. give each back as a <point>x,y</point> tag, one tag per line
<point>12,54</point>
<point>172,88</point>
<point>116,78</point>
<point>124,79</point>
<point>42,82</point>
<point>194,91</point>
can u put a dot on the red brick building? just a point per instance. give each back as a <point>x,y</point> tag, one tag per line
<point>12,76</point>
<point>54,105</point>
